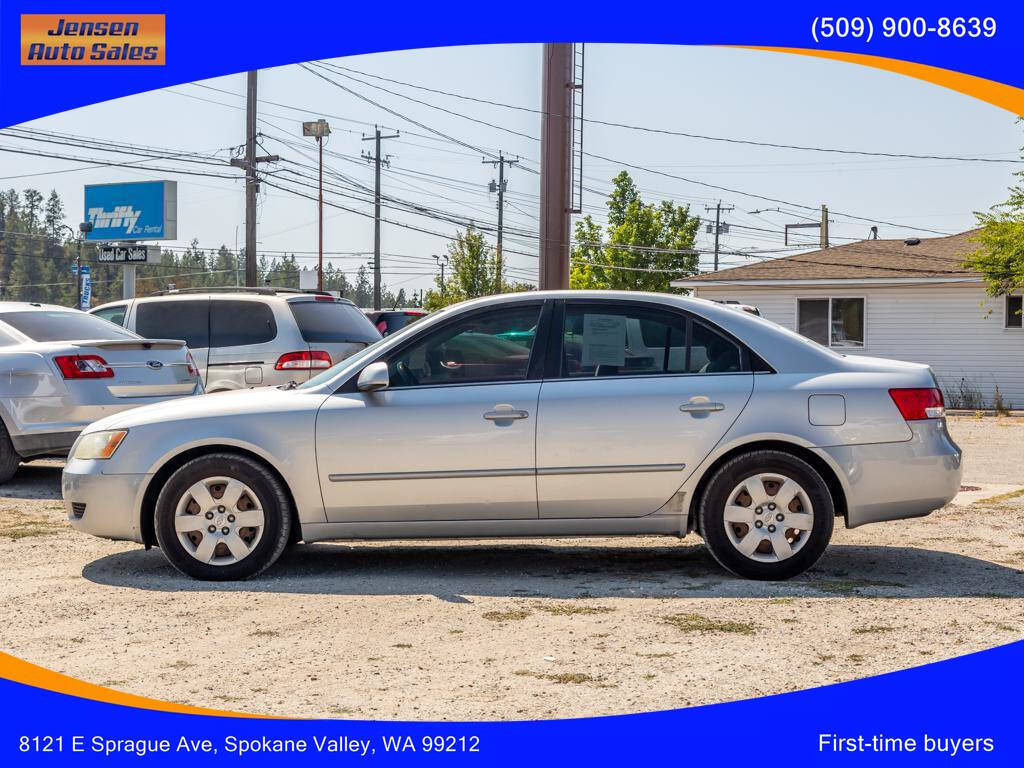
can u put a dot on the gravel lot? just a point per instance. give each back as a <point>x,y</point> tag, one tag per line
<point>514,630</point>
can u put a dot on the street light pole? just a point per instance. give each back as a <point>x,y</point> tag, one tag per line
<point>319,129</point>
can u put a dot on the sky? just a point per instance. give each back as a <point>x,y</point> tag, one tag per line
<point>731,93</point>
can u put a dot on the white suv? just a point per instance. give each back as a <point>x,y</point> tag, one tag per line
<point>249,337</point>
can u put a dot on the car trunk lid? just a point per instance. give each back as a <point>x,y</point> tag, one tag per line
<point>138,367</point>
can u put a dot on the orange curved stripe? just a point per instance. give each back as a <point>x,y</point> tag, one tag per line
<point>20,671</point>
<point>999,94</point>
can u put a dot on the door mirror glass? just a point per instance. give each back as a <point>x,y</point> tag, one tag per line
<point>373,378</point>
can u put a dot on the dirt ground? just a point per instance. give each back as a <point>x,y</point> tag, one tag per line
<point>514,630</point>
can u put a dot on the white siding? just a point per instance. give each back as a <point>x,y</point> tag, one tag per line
<point>946,326</point>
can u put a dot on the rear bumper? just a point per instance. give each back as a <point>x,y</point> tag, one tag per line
<point>892,481</point>
<point>44,443</point>
<point>103,505</point>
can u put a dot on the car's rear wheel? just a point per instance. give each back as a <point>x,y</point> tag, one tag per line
<point>222,517</point>
<point>9,458</point>
<point>767,515</point>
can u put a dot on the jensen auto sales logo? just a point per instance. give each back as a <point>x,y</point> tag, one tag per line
<point>54,39</point>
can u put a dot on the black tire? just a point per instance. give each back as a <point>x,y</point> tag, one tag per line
<point>272,496</point>
<point>734,472</point>
<point>9,458</point>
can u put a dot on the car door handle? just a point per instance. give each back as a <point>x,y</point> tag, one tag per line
<point>702,405</point>
<point>505,413</point>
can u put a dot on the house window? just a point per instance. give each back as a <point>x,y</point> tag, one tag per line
<point>1014,307</point>
<point>833,322</point>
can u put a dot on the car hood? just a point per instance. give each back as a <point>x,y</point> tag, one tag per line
<point>244,402</point>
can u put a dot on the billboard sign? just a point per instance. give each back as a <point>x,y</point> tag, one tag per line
<point>141,210</point>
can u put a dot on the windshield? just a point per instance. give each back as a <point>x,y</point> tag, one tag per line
<point>58,325</point>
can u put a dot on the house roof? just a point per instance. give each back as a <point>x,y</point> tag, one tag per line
<point>931,259</point>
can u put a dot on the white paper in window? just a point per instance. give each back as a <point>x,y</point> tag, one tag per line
<point>604,340</point>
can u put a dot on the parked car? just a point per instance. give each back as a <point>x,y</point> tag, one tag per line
<point>63,369</point>
<point>739,306</point>
<point>250,337</point>
<point>723,423</point>
<point>388,321</point>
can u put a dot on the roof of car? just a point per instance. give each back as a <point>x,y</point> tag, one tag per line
<point>31,306</point>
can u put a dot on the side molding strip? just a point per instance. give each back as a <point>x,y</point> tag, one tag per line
<point>524,472</point>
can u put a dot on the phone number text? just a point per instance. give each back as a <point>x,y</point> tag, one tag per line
<point>902,27</point>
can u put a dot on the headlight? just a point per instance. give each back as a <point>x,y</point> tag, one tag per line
<point>99,445</point>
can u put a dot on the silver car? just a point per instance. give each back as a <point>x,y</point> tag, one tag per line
<point>250,337</point>
<point>63,369</point>
<point>539,414</point>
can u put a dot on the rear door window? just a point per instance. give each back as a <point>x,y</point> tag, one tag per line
<point>613,340</point>
<point>332,321</point>
<point>188,320</point>
<point>236,323</point>
<point>114,314</point>
<point>57,325</point>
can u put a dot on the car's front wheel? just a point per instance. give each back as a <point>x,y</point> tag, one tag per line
<point>222,517</point>
<point>767,515</point>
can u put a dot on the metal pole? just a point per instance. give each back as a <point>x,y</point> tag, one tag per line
<point>320,212</point>
<point>251,278</point>
<point>824,226</point>
<point>78,276</point>
<point>128,284</point>
<point>555,174</point>
<point>718,226</point>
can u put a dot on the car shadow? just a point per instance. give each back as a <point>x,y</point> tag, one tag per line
<point>38,480</point>
<point>457,572</point>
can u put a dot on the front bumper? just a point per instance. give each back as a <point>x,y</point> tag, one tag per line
<point>105,505</point>
<point>892,481</point>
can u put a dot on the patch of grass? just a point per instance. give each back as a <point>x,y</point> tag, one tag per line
<point>402,645</point>
<point>265,633</point>
<point>782,601</point>
<point>694,622</point>
<point>849,586</point>
<point>873,629</point>
<point>563,678</point>
<point>572,609</point>
<point>1001,626</point>
<point>790,621</point>
<point>663,655</point>
<point>1002,497</point>
<point>181,664</point>
<point>514,614</point>
<point>649,676</point>
<point>20,526</point>
<point>855,657</point>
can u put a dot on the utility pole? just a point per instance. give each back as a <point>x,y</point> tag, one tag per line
<point>320,129</point>
<point>501,162</point>
<point>252,184</point>
<point>442,262</point>
<point>555,170</point>
<point>377,160</point>
<point>720,228</point>
<point>824,226</point>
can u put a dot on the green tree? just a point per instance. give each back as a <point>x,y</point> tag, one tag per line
<point>647,245</point>
<point>472,271</point>
<point>1000,254</point>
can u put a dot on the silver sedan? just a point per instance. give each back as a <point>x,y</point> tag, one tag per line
<point>539,414</point>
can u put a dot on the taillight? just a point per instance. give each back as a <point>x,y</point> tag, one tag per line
<point>321,297</point>
<point>382,325</point>
<point>915,404</point>
<point>303,361</point>
<point>193,369</point>
<point>83,367</point>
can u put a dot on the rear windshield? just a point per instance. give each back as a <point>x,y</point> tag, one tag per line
<point>329,321</point>
<point>57,325</point>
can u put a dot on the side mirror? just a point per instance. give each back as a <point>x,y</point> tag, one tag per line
<point>373,378</point>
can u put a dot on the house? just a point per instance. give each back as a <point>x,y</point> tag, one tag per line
<point>903,299</point>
